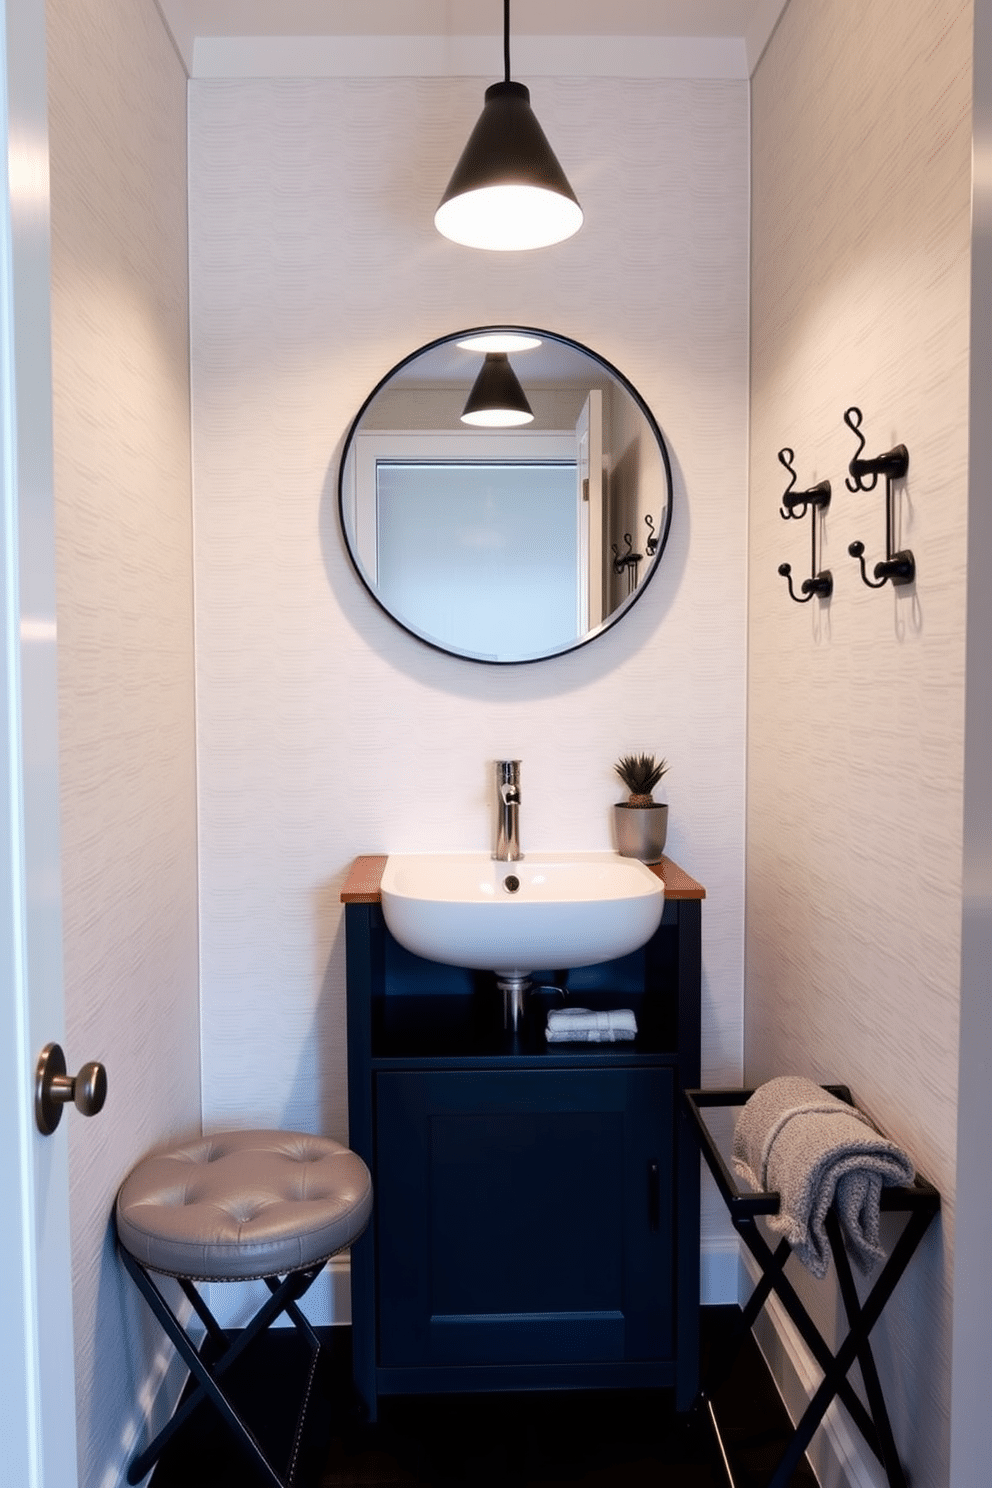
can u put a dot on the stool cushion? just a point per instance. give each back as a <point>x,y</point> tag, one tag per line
<point>244,1204</point>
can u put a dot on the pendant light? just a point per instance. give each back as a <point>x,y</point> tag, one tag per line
<point>508,190</point>
<point>497,401</point>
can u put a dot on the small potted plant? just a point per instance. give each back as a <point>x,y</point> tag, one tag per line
<point>641,821</point>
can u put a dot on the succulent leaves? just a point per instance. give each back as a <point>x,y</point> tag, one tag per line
<point>640,773</point>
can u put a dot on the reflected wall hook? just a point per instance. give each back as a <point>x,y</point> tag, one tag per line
<point>795,505</point>
<point>900,566</point>
<point>628,561</point>
<point>651,545</point>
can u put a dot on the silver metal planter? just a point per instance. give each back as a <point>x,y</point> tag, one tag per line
<point>641,830</point>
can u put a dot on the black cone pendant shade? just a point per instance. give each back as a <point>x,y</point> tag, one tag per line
<point>497,401</point>
<point>508,190</point>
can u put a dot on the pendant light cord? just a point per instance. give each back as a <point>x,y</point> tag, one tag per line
<point>506,41</point>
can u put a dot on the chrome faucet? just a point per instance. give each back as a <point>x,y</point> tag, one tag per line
<point>507,811</point>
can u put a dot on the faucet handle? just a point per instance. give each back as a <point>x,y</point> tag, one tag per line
<point>508,780</point>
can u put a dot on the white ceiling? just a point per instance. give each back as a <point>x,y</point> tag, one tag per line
<point>318,37</point>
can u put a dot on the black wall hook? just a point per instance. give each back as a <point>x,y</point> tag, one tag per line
<point>859,468</point>
<point>795,505</point>
<point>900,566</point>
<point>651,545</point>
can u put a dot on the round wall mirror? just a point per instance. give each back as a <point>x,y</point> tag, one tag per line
<point>505,494</point>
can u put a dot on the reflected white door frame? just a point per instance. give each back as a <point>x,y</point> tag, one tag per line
<point>589,466</point>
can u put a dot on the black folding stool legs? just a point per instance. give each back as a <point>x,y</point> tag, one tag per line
<point>284,1294</point>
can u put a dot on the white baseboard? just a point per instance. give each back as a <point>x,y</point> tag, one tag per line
<point>839,1456</point>
<point>719,1272</point>
<point>339,1277</point>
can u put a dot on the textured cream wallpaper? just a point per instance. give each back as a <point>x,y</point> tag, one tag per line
<point>861,195</point>
<point>124,574</point>
<point>323,729</point>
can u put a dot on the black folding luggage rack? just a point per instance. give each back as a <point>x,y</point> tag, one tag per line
<point>919,1200</point>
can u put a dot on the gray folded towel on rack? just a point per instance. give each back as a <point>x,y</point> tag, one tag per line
<point>579,1025</point>
<point>795,1139</point>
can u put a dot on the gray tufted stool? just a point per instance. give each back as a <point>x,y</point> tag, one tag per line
<point>238,1206</point>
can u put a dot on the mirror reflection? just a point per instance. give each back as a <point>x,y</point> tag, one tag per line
<point>505,494</point>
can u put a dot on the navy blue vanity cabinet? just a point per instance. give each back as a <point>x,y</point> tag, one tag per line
<point>536,1213</point>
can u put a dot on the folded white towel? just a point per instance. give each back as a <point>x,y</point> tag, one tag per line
<point>580,1025</point>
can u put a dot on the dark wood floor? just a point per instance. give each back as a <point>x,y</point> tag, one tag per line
<point>605,1439</point>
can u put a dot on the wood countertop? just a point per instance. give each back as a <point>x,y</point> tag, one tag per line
<point>361,886</point>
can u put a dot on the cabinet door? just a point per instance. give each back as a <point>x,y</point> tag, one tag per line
<point>524,1216</point>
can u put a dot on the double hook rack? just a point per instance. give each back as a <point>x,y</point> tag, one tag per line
<point>899,566</point>
<point>795,505</point>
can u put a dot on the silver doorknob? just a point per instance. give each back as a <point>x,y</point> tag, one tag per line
<point>53,1088</point>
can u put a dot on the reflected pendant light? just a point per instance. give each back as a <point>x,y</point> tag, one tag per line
<point>497,401</point>
<point>508,190</point>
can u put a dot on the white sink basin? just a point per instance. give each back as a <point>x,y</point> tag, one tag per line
<point>549,911</point>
